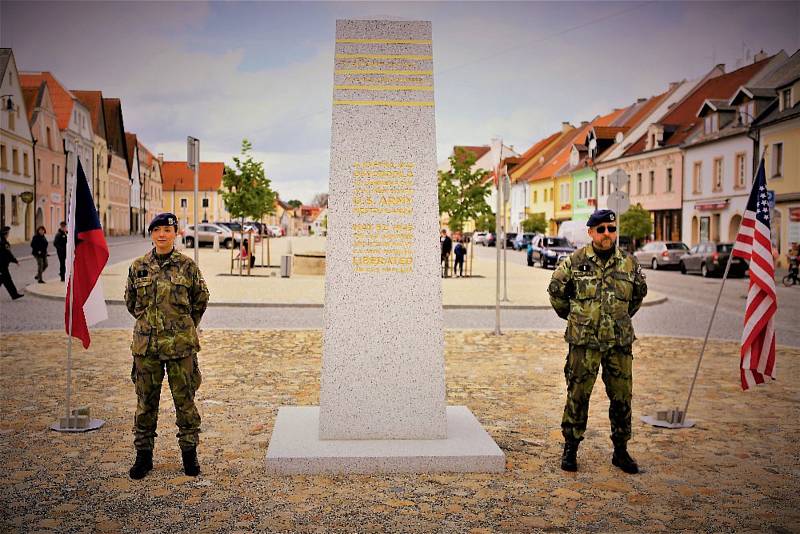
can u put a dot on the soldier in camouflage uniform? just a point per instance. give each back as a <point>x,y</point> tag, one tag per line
<point>167,295</point>
<point>598,288</point>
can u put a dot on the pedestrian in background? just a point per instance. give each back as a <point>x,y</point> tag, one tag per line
<point>167,296</point>
<point>597,289</point>
<point>460,251</point>
<point>7,258</point>
<point>60,244</point>
<point>39,251</point>
<point>447,246</point>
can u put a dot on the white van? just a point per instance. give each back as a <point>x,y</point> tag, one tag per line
<point>575,232</point>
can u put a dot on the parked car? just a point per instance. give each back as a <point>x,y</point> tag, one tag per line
<point>479,238</point>
<point>275,231</point>
<point>709,259</point>
<point>548,250</point>
<point>230,225</point>
<point>661,254</point>
<point>523,240</point>
<point>490,240</point>
<point>510,237</point>
<point>205,235</point>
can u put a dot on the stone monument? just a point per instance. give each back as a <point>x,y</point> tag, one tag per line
<point>382,398</point>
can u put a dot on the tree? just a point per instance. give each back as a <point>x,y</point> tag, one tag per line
<point>463,192</point>
<point>320,200</point>
<point>486,222</point>
<point>535,223</point>
<point>246,191</point>
<point>636,223</point>
<point>295,203</point>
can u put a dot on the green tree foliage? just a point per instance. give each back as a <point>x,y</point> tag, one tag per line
<point>535,223</point>
<point>636,223</point>
<point>246,191</point>
<point>295,203</point>
<point>486,222</point>
<point>462,192</point>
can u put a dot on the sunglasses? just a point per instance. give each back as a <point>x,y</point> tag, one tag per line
<point>602,229</point>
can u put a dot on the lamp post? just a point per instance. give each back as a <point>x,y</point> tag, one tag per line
<point>497,145</point>
<point>193,152</point>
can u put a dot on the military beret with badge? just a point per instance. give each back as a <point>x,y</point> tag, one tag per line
<point>163,219</point>
<point>600,217</point>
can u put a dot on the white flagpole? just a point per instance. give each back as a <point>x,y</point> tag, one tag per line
<point>71,235</point>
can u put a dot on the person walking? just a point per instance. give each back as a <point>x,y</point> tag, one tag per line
<point>460,251</point>
<point>447,246</point>
<point>60,244</point>
<point>6,259</point>
<point>597,289</point>
<point>167,296</point>
<point>39,251</point>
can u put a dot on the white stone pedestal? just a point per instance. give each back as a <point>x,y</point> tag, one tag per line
<point>295,448</point>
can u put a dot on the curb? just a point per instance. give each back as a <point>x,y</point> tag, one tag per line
<point>34,290</point>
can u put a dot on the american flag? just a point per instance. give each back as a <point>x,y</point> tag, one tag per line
<point>754,245</point>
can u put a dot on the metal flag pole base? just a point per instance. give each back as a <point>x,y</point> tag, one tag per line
<point>669,419</point>
<point>80,420</point>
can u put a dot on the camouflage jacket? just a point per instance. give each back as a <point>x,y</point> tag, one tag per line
<point>168,302</point>
<point>598,300</point>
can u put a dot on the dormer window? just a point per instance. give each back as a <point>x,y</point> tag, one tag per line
<point>711,123</point>
<point>785,97</point>
<point>747,112</point>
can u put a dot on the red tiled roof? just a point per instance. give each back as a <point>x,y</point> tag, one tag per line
<point>644,111</point>
<point>538,147</point>
<point>478,151</point>
<point>176,175</point>
<point>93,100</point>
<point>30,95</point>
<point>684,115</point>
<point>62,99</point>
<point>558,157</point>
<point>115,127</point>
<point>609,132</point>
<point>130,143</point>
<point>145,154</point>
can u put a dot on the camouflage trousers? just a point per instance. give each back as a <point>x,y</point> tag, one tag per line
<point>581,373</point>
<point>184,380</point>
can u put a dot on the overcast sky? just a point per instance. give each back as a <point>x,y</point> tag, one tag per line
<point>264,70</point>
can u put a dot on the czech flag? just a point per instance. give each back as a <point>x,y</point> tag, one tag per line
<point>87,254</point>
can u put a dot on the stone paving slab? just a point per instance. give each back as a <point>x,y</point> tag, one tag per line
<point>737,470</point>
<point>527,286</point>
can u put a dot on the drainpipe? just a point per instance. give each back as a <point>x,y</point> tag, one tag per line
<point>35,177</point>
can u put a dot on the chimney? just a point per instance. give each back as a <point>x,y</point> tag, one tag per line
<point>161,158</point>
<point>565,127</point>
<point>584,123</point>
<point>674,85</point>
<point>758,57</point>
<point>721,67</point>
<point>640,100</point>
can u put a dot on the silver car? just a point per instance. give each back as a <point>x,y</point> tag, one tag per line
<point>660,254</point>
<point>206,233</point>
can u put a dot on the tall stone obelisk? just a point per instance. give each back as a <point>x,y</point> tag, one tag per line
<point>382,398</point>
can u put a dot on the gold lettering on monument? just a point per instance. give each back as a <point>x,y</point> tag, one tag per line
<point>383,188</point>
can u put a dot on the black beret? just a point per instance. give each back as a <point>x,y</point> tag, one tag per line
<point>601,216</point>
<point>163,219</point>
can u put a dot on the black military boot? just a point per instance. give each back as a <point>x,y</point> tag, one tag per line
<point>190,464</point>
<point>569,458</point>
<point>143,464</point>
<point>623,460</point>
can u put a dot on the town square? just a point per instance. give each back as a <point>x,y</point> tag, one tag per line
<point>370,261</point>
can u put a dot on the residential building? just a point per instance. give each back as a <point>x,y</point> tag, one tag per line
<point>93,101</point>
<point>119,175</point>
<point>74,121</point>
<point>152,199</point>
<point>778,130</point>
<point>718,158</point>
<point>520,201</point>
<point>48,151</point>
<point>178,191</point>
<point>16,154</point>
<point>137,177</point>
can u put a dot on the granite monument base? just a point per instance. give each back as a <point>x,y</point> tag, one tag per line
<point>295,448</point>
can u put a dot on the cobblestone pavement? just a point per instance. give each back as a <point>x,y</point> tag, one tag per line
<point>738,470</point>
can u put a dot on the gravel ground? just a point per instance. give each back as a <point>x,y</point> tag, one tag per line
<point>737,470</point>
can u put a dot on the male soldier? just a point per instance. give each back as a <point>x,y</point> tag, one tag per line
<point>597,289</point>
<point>60,242</point>
<point>167,295</point>
<point>7,258</point>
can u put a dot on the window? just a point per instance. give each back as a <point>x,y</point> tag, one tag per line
<point>184,203</point>
<point>551,194</point>
<point>25,169</point>
<point>777,160</point>
<point>717,174</point>
<point>747,113</point>
<point>669,180</point>
<point>11,120</point>
<point>785,99</point>
<point>49,138</point>
<point>740,171</point>
<point>535,197</point>
<point>697,178</point>
<point>205,202</point>
<point>2,209</point>
<point>564,194</point>
<point>38,170</point>
<point>545,195</point>
<point>638,183</point>
<point>710,124</point>
<point>15,160</point>
<point>3,158</point>
<point>602,185</point>
<point>652,182</point>
<point>14,211</point>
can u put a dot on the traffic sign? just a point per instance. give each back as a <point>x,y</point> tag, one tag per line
<point>619,202</point>
<point>618,179</point>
